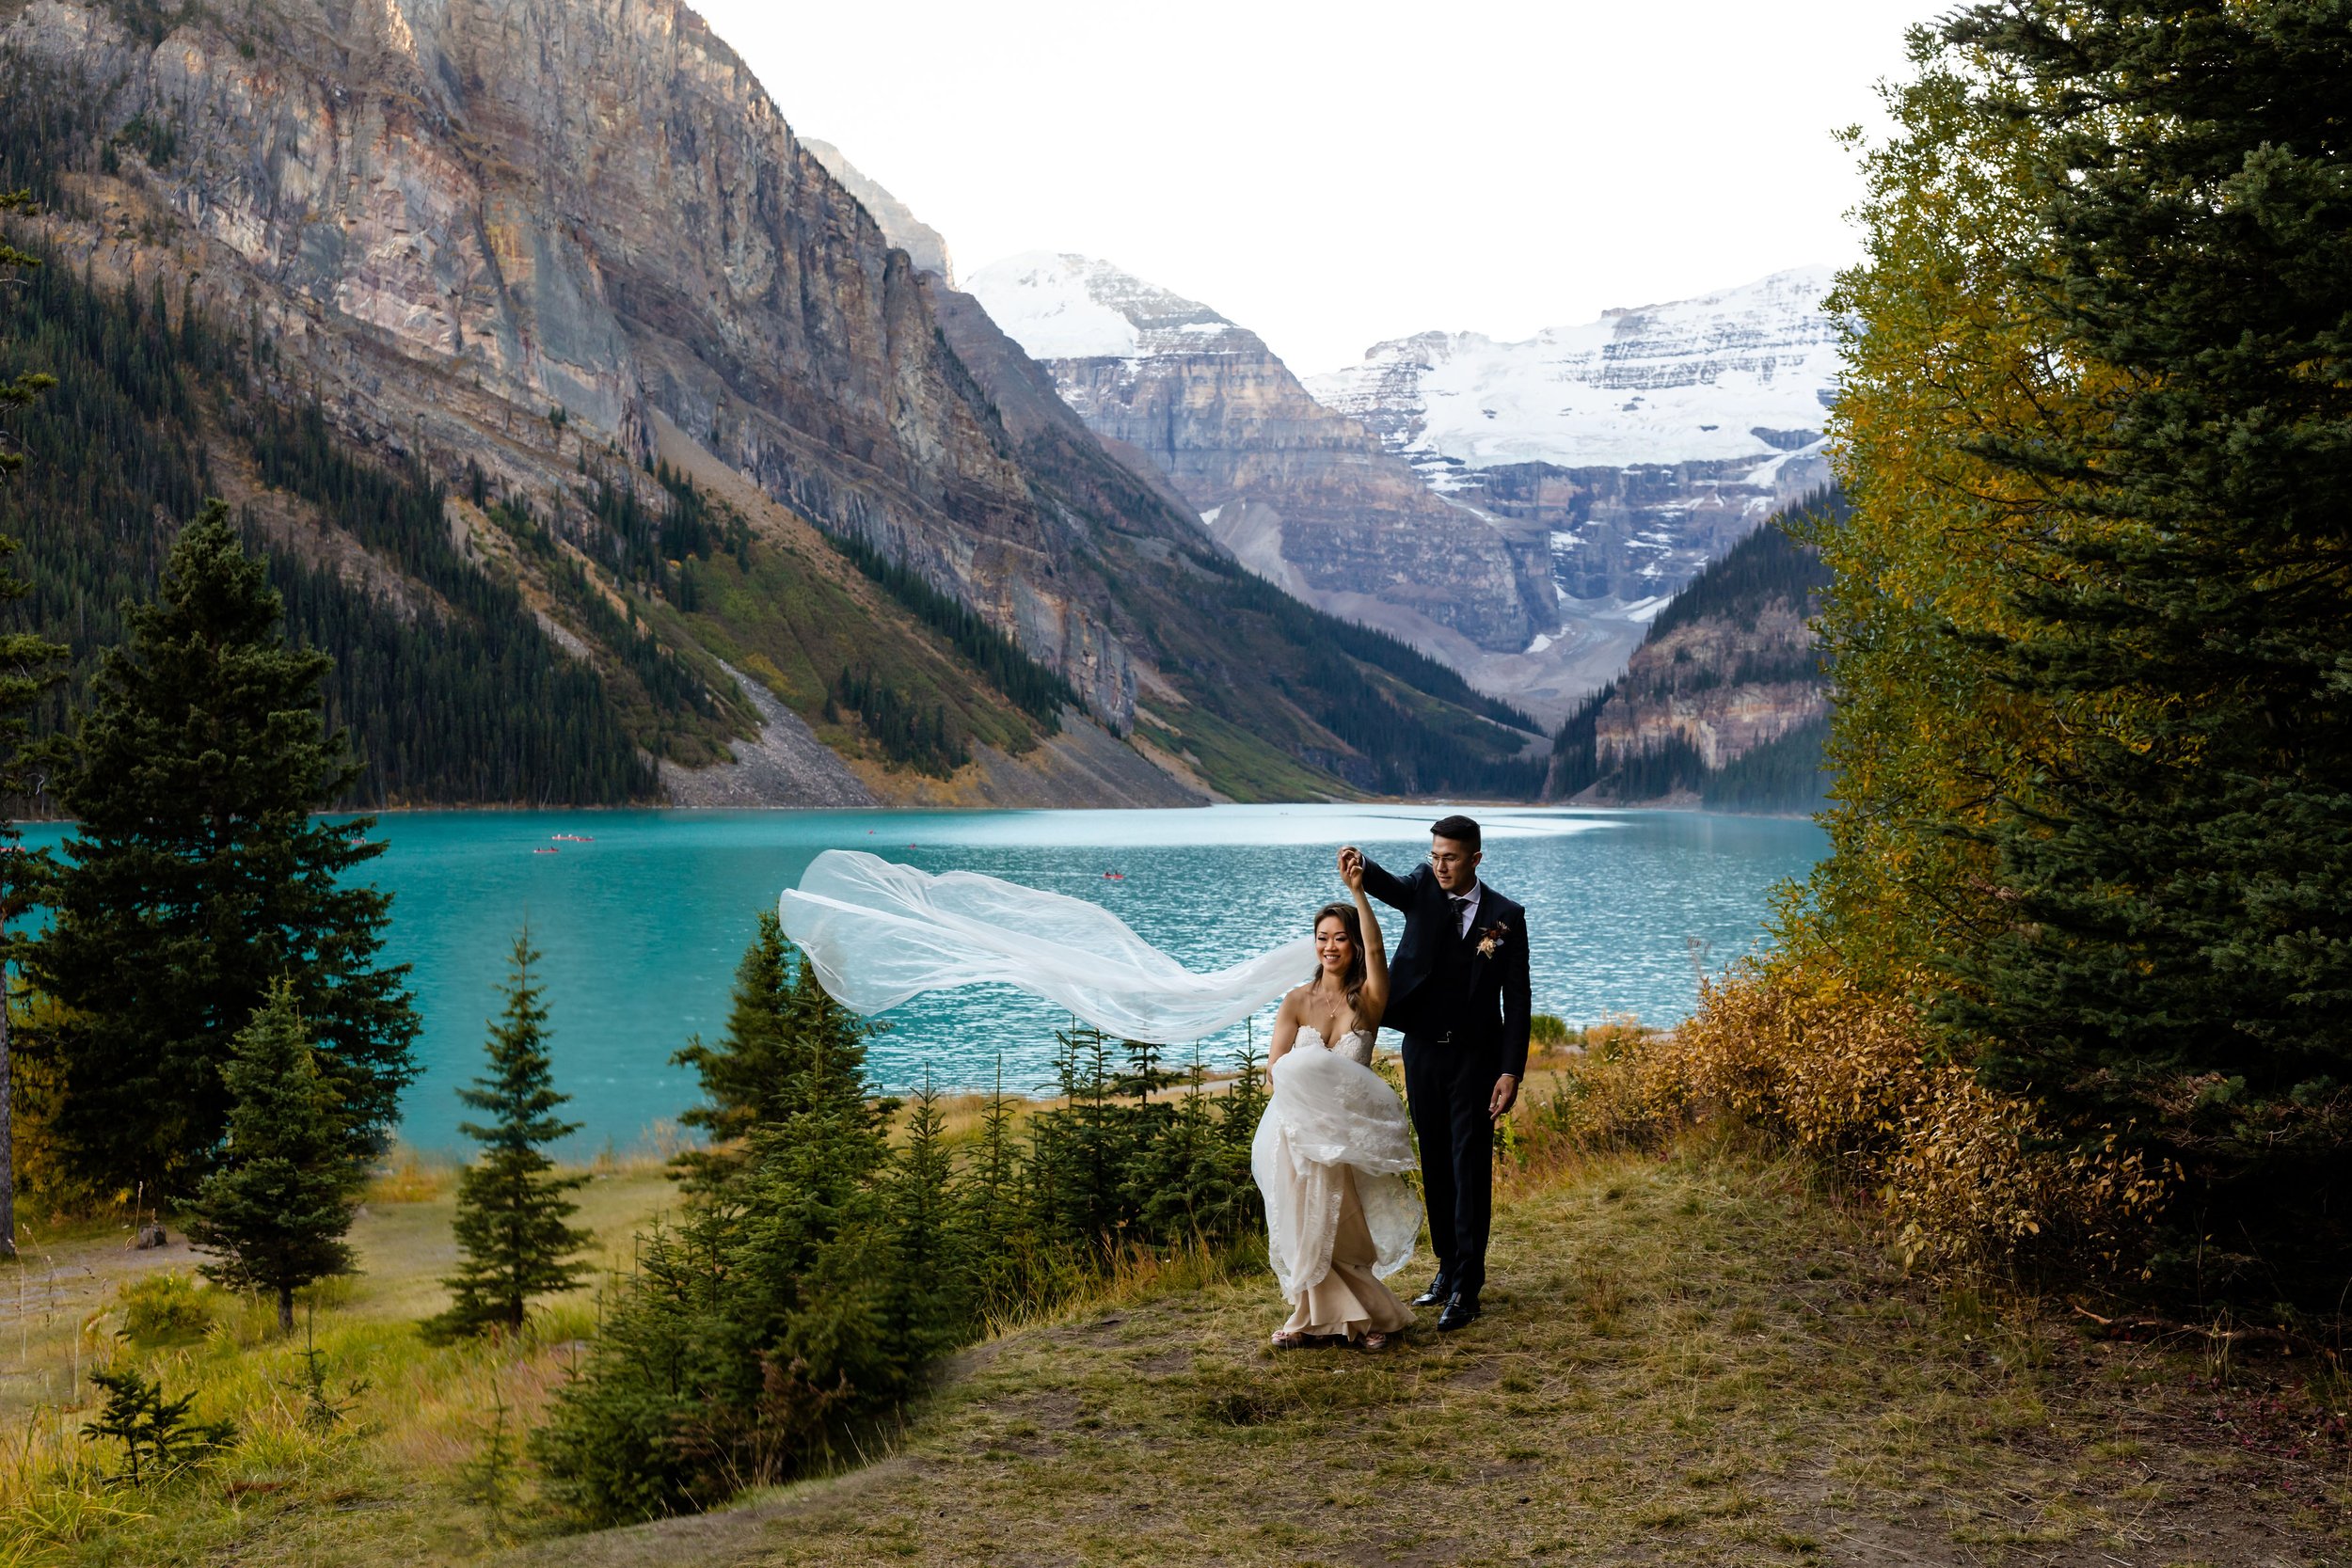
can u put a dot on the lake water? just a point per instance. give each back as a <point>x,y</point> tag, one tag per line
<point>642,927</point>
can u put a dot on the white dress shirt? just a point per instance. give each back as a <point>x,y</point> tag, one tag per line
<point>1466,915</point>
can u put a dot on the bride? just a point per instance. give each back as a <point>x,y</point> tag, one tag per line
<point>1332,1150</point>
<point>1333,1146</point>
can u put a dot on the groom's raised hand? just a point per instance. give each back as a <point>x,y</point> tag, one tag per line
<point>1351,864</point>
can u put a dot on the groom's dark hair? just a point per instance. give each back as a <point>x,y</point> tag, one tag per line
<point>1461,829</point>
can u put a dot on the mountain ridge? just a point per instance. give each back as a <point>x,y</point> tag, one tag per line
<point>498,241</point>
<point>1647,442</point>
<point>1304,497</point>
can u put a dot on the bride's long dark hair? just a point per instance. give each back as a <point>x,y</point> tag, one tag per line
<point>1352,983</point>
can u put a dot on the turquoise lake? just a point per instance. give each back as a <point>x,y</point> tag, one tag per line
<point>642,926</point>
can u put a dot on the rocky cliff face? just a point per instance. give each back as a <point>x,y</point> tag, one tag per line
<point>1645,443</point>
<point>551,254</point>
<point>925,246</point>
<point>1724,704</point>
<point>1306,498</point>
<point>506,231</point>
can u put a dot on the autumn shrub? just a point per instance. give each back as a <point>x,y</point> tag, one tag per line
<point>1794,1050</point>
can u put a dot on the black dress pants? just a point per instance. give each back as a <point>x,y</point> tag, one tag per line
<point>1448,1087</point>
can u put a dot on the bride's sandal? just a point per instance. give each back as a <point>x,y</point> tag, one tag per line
<point>1374,1340</point>
<point>1290,1338</point>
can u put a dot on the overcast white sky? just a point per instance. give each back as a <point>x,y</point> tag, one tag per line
<point>1332,174</point>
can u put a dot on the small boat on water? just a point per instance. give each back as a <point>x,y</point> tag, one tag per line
<point>1114,875</point>
<point>547,849</point>
<point>572,838</point>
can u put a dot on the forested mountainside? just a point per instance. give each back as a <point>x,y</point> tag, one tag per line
<point>436,297</point>
<point>1726,703</point>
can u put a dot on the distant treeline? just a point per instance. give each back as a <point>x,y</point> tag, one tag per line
<point>1031,687</point>
<point>908,733</point>
<point>1406,741</point>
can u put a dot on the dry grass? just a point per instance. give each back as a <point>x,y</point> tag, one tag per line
<point>1700,1357</point>
<point>1696,1358</point>
<point>383,1484</point>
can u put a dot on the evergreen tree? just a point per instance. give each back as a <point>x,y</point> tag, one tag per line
<point>757,1324</point>
<point>997,1240</point>
<point>2178,954</point>
<point>926,1308</point>
<point>743,1075</point>
<point>29,665</point>
<point>277,1207</point>
<point>197,876</point>
<point>511,1207</point>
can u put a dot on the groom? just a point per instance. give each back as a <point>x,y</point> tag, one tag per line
<point>1458,992</point>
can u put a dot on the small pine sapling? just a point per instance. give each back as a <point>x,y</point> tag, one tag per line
<point>490,1478</point>
<point>323,1409</point>
<point>158,1438</point>
<point>511,1205</point>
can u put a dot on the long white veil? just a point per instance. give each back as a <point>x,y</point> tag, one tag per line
<point>878,933</point>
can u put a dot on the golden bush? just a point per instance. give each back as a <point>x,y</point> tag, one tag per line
<point>1796,1051</point>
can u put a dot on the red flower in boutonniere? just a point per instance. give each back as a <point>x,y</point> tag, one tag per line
<point>1492,939</point>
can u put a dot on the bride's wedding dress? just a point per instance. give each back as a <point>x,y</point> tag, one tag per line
<point>1334,1144</point>
<point>1331,1156</point>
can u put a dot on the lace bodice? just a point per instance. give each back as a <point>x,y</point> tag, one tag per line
<point>1355,1045</point>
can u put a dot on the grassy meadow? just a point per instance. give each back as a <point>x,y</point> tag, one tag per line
<point>385,1481</point>
<point>1703,1356</point>
<point>1700,1355</point>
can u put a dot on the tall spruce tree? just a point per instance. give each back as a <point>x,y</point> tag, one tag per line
<point>511,1207</point>
<point>743,1074</point>
<point>29,665</point>
<point>197,876</point>
<point>2178,955</point>
<point>277,1207</point>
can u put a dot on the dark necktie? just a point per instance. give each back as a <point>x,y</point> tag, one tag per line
<point>1461,902</point>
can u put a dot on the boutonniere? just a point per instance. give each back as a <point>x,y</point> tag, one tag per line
<point>1492,939</point>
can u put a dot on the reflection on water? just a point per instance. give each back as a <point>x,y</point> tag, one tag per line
<point>643,923</point>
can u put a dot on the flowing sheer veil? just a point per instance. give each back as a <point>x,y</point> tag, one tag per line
<point>878,933</point>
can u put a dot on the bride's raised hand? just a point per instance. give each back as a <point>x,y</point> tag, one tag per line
<point>1352,868</point>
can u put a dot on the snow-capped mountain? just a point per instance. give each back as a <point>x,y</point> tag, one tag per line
<point>1648,441</point>
<point>1302,495</point>
<point>1739,373</point>
<point>1067,306</point>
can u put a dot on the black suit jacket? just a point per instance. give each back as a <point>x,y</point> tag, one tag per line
<point>1494,1006</point>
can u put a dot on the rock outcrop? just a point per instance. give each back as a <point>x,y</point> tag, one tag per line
<point>1304,497</point>
<point>925,246</point>
<point>1724,704</point>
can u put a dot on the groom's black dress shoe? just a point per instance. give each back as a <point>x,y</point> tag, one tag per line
<point>1440,1291</point>
<point>1460,1312</point>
